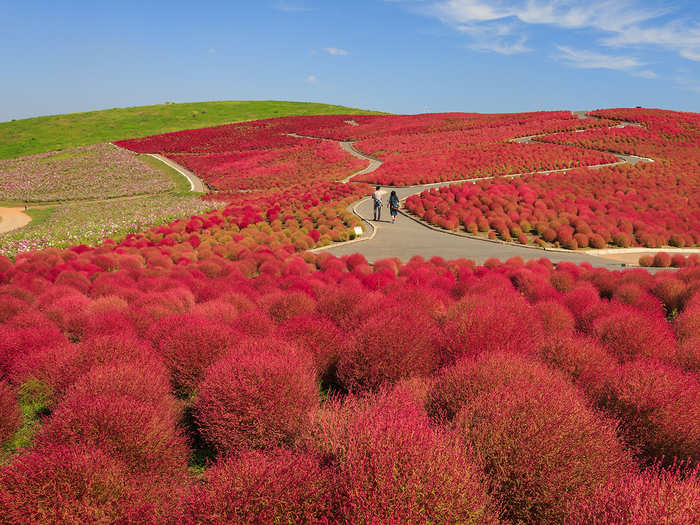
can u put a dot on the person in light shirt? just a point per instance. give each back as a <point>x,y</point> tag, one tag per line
<point>377,199</point>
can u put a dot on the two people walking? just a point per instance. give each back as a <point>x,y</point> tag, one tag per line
<point>393,204</point>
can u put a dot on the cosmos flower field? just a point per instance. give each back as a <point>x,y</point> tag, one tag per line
<point>214,369</point>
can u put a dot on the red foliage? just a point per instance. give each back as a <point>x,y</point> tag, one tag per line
<point>10,414</point>
<point>659,409</point>
<point>526,422</point>
<point>389,346</point>
<point>65,485</point>
<point>491,323</point>
<point>189,345</point>
<point>394,467</point>
<point>321,338</point>
<point>640,498</point>
<point>279,486</point>
<point>259,396</point>
<point>630,334</point>
<point>142,435</point>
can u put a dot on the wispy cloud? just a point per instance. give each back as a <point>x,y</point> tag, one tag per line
<point>311,79</point>
<point>618,23</point>
<point>291,8</point>
<point>585,59</point>
<point>592,60</point>
<point>676,35</point>
<point>608,15</point>
<point>335,51</point>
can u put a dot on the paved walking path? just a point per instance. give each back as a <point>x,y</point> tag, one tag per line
<point>409,236</point>
<point>196,184</point>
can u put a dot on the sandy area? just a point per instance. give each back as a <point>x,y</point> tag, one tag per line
<point>13,218</point>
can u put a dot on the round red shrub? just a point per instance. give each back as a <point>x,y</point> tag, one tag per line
<point>65,485</point>
<point>321,338</point>
<point>489,323</point>
<point>254,323</point>
<point>630,333</point>
<point>539,440</point>
<point>396,468</point>
<point>662,259</point>
<point>390,345</point>
<point>146,383</point>
<point>646,260</point>
<point>189,345</point>
<point>659,410</point>
<point>143,435</point>
<point>652,496</point>
<point>689,353</point>
<point>259,396</point>
<point>555,318</point>
<point>279,486</point>
<point>286,304</point>
<point>671,291</point>
<point>597,241</point>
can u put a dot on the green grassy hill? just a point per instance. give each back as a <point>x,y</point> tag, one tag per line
<point>41,134</point>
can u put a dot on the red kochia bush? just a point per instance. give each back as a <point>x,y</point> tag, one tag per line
<point>489,323</point>
<point>10,415</point>
<point>284,305</point>
<point>147,383</point>
<point>279,486</point>
<point>144,436</point>
<point>629,334</point>
<point>395,467</point>
<point>390,345</point>
<point>189,345</point>
<point>659,406</point>
<point>653,496</point>
<point>321,338</point>
<point>259,396</point>
<point>65,485</point>
<point>539,440</point>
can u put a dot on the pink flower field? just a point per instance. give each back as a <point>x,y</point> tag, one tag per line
<point>89,172</point>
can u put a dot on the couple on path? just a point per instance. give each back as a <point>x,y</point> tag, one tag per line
<point>393,204</point>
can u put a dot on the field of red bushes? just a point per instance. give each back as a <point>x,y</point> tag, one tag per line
<point>214,370</point>
<point>649,204</point>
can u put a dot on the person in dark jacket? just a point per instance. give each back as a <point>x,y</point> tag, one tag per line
<point>393,205</point>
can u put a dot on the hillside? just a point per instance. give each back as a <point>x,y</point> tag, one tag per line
<point>51,133</point>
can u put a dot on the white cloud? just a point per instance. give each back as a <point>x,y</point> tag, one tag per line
<point>624,23</point>
<point>335,51</point>
<point>673,35</point>
<point>494,37</point>
<point>289,8</point>
<point>608,15</point>
<point>585,59</point>
<point>311,79</point>
<point>691,54</point>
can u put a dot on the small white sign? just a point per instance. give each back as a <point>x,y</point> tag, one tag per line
<point>358,230</point>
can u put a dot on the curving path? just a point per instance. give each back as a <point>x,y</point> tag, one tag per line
<point>196,184</point>
<point>409,236</point>
<point>12,219</point>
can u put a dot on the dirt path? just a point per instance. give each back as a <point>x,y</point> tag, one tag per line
<point>12,219</point>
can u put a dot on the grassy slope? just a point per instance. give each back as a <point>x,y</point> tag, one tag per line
<point>41,134</point>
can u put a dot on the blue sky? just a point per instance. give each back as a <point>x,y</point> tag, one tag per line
<point>404,56</point>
